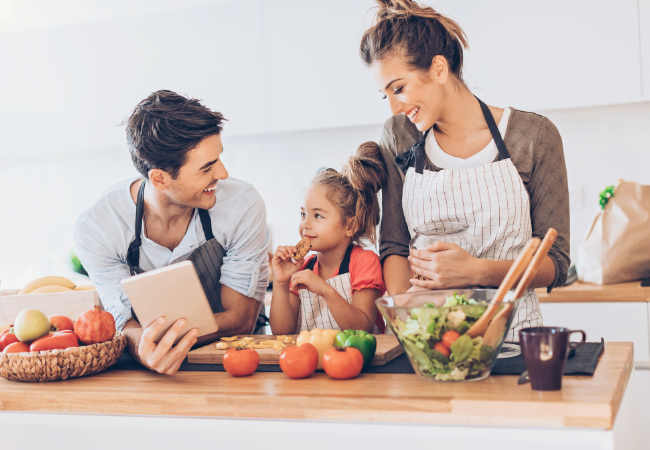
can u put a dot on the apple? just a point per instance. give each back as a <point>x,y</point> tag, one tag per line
<point>30,325</point>
<point>60,323</point>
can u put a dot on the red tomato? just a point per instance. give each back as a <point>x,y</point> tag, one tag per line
<point>299,362</point>
<point>55,341</point>
<point>449,337</point>
<point>8,338</point>
<point>342,365</point>
<point>442,349</point>
<point>16,347</point>
<point>240,363</point>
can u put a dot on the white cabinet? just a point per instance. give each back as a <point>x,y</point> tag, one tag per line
<point>315,77</point>
<point>68,88</point>
<point>644,22</point>
<point>537,55</point>
<point>623,322</point>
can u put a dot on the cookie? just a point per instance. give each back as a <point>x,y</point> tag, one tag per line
<point>302,248</point>
<point>420,277</point>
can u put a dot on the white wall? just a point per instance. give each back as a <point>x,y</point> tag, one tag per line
<point>41,197</point>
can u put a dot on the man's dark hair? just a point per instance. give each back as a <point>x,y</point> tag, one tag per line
<point>164,127</point>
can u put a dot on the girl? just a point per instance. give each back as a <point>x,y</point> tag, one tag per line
<point>450,157</point>
<point>337,287</point>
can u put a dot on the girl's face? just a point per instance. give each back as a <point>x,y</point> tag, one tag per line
<point>417,95</point>
<point>321,221</point>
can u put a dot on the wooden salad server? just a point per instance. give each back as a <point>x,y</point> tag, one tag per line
<point>497,327</point>
<point>517,268</point>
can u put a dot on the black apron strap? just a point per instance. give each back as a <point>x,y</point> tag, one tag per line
<point>311,264</point>
<point>133,252</point>
<point>206,223</point>
<point>414,157</point>
<point>345,264</point>
<point>494,130</point>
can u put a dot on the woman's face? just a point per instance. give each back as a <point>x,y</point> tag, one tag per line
<point>417,95</point>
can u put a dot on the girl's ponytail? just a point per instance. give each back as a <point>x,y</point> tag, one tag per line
<point>367,173</point>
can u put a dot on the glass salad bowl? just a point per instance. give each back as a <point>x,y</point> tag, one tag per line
<point>431,327</point>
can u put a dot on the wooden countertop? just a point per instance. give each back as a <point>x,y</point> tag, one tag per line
<point>585,292</point>
<point>590,402</point>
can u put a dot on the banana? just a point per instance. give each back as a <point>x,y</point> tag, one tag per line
<point>50,289</point>
<point>87,287</point>
<point>47,281</point>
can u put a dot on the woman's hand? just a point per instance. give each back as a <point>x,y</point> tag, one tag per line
<point>310,281</point>
<point>445,265</point>
<point>283,264</point>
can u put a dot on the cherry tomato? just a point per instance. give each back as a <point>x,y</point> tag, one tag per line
<point>442,349</point>
<point>16,347</point>
<point>449,337</point>
<point>240,363</point>
<point>342,365</point>
<point>299,362</point>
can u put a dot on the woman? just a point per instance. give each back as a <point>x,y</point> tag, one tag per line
<point>452,158</point>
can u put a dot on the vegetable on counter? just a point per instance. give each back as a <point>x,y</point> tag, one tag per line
<point>240,363</point>
<point>323,340</point>
<point>363,341</point>
<point>343,364</point>
<point>16,347</point>
<point>7,337</point>
<point>55,341</point>
<point>434,338</point>
<point>299,362</point>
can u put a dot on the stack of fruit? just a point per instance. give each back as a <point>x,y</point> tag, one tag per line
<point>50,285</point>
<point>33,331</point>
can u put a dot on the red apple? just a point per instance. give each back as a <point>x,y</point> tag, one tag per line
<point>60,323</point>
<point>95,326</point>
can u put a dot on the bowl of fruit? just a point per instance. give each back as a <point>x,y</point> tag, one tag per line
<point>41,348</point>
<point>436,330</point>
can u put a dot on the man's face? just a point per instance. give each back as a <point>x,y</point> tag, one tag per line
<point>196,183</point>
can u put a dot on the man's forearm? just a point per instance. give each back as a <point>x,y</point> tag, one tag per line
<point>133,332</point>
<point>229,323</point>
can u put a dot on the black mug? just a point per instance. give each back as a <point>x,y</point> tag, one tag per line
<point>545,351</point>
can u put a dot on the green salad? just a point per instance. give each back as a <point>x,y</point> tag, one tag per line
<point>434,338</point>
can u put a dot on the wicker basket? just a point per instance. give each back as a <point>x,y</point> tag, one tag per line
<point>55,365</point>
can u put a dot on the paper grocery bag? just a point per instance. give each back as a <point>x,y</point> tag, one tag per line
<point>616,248</point>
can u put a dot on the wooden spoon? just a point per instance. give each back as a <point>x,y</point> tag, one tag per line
<point>517,268</point>
<point>497,327</point>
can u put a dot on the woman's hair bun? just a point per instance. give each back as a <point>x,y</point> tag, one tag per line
<point>367,169</point>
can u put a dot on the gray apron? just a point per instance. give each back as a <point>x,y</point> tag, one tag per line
<point>207,258</point>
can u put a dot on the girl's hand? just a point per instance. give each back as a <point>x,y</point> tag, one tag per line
<point>310,281</point>
<point>283,266</point>
<point>445,265</point>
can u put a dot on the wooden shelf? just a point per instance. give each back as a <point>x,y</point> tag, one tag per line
<point>585,292</point>
<point>589,402</point>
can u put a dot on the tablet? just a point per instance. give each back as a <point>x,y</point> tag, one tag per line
<point>174,292</point>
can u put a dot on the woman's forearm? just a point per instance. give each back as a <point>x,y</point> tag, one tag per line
<point>397,273</point>
<point>492,273</point>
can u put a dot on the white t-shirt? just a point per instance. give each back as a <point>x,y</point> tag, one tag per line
<point>486,156</point>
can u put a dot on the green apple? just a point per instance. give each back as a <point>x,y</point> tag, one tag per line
<point>30,325</point>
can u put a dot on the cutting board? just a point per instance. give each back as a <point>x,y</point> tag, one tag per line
<point>388,348</point>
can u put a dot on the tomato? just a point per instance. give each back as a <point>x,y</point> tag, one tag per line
<point>55,341</point>
<point>442,349</point>
<point>299,362</point>
<point>8,338</point>
<point>16,347</point>
<point>449,337</point>
<point>240,363</point>
<point>342,365</point>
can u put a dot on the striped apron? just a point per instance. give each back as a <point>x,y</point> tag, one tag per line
<point>492,200</point>
<point>314,312</point>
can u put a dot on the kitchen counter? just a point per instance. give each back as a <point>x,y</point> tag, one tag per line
<point>586,405</point>
<point>586,292</point>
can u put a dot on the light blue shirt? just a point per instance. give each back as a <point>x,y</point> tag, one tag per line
<point>103,234</point>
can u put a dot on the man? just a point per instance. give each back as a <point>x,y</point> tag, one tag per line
<point>184,208</point>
